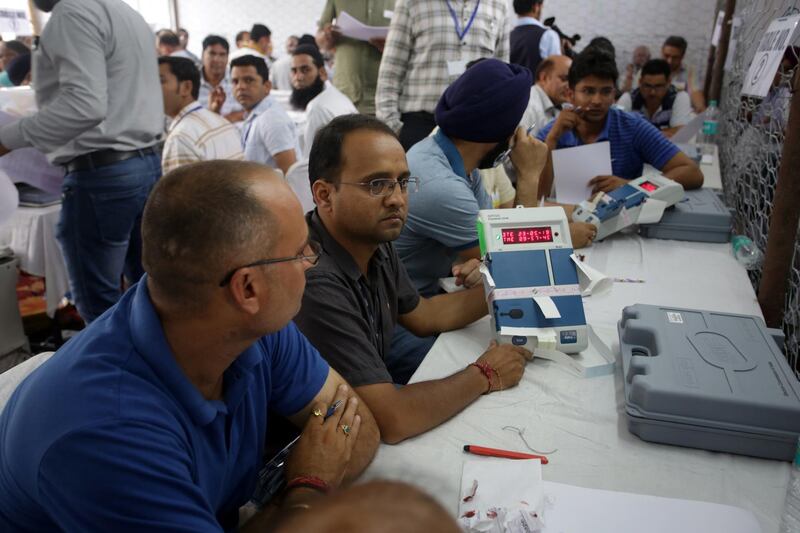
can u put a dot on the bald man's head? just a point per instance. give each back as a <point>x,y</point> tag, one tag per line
<point>205,218</point>
<point>375,507</point>
<point>553,77</point>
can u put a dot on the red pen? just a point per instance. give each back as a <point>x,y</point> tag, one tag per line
<point>505,454</point>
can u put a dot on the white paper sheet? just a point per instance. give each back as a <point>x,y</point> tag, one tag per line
<point>29,165</point>
<point>579,510</point>
<point>502,484</point>
<point>687,133</point>
<point>574,167</point>
<point>355,29</point>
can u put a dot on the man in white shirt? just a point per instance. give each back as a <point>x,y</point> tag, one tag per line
<point>280,71</point>
<point>657,100</point>
<point>312,92</point>
<point>548,93</point>
<point>169,44</point>
<point>215,85</point>
<point>531,41</point>
<point>259,45</point>
<point>269,136</point>
<point>195,134</point>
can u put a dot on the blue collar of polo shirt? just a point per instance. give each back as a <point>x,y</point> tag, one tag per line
<point>572,138</point>
<point>451,153</point>
<point>149,341</point>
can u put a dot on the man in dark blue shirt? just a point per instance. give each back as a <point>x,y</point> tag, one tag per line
<point>634,141</point>
<point>154,418</point>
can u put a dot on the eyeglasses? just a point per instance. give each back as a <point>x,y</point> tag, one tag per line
<point>649,87</point>
<point>312,258</point>
<point>386,186</point>
<point>605,92</point>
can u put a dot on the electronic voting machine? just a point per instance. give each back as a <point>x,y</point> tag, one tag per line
<point>531,280</point>
<point>642,200</point>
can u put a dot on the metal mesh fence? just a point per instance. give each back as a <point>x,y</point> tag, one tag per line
<point>752,132</point>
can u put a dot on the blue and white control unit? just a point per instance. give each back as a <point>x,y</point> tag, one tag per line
<point>531,280</point>
<point>614,211</point>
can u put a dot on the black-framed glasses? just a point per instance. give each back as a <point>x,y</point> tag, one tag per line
<point>312,258</point>
<point>386,186</point>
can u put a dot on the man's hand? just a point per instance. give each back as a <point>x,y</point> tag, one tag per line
<point>328,36</point>
<point>567,120</point>
<point>216,99</point>
<point>508,362</point>
<point>528,155</point>
<point>3,150</point>
<point>606,183</point>
<point>378,43</point>
<point>324,449</point>
<point>582,234</point>
<point>236,116</point>
<point>468,273</point>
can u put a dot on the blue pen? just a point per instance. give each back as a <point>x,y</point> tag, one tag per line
<point>332,409</point>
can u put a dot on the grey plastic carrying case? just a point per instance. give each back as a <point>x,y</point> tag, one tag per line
<point>701,217</point>
<point>708,380</point>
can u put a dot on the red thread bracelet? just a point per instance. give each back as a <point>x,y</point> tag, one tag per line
<point>309,482</point>
<point>486,370</point>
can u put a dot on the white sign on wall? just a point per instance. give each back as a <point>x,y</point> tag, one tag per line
<point>14,21</point>
<point>769,55</point>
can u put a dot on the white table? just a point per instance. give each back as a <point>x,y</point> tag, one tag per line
<point>584,418</point>
<point>711,171</point>
<point>31,233</point>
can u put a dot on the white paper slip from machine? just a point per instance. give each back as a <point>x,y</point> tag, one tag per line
<point>574,167</point>
<point>355,29</point>
<point>640,201</point>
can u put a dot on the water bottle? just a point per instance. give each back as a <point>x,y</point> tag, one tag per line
<point>790,521</point>
<point>746,252</point>
<point>708,135</point>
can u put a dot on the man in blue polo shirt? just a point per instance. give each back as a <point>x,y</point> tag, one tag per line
<point>634,141</point>
<point>155,417</point>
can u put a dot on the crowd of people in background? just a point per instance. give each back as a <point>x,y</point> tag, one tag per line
<point>186,174</point>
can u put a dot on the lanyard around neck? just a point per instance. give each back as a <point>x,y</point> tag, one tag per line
<point>461,34</point>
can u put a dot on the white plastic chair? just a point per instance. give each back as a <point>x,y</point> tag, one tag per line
<point>297,176</point>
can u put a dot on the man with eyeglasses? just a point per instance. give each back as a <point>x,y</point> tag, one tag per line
<point>155,416</point>
<point>360,290</point>
<point>657,100</point>
<point>634,142</point>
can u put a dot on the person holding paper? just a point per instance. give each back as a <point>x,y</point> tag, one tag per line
<point>357,62</point>
<point>634,142</point>
<point>478,117</point>
<point>359,289</point>
<point>429,45</point>
<point>657,100</point>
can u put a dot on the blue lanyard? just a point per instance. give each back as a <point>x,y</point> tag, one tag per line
<point>192,110</point>
<point>462,34</point>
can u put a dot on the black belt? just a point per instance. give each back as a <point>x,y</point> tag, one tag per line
<point>102,158</point>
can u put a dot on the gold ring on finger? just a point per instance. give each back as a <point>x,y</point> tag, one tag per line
<point>317,412</point>
<point>345,430</point>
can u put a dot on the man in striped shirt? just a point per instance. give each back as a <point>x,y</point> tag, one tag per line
<point>634,141</point>
<point>195,133</point>
<point>429,45</point>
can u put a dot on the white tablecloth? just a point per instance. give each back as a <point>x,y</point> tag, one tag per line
<point>584,418</point>
<point>31,233</point>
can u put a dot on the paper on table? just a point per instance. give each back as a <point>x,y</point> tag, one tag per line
<point>29,165</point>
<point>502,485</point>
<point>591,281</point>
<point>355,29</point>
<point>687,133</point>
<point>574,167</point>
<point>580,510</point>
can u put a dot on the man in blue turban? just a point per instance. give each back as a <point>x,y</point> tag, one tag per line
<point>477,115</point>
